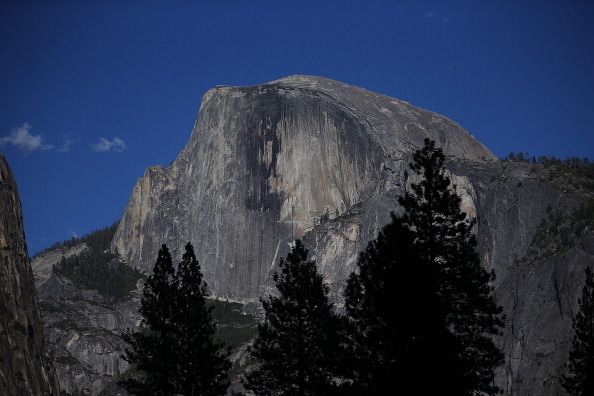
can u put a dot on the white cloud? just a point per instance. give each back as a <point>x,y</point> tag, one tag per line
<point>22,138</point>
<point>65,148</point>
<point>103,145</point>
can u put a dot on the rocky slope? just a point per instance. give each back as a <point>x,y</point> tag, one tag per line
<point>314,158</point>
<point>83,325</point>
<point>24,366</point>
<point>83,332</point>
<point>83,319</point>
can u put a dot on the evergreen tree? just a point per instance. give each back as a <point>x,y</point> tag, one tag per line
<point>399,343</point>
<point>579,378</point>
<point>443,236</point>
<point>420,305</point>
<point>297,345</point>
<point>202,366</point>
<point>174,352</point>
<point>152,349</point>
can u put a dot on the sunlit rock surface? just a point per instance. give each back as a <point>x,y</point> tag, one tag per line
<point>25,368</point>
<point>266,164</point>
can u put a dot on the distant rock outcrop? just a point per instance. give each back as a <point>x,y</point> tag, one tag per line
<point>83,327</point>
<point>25,368</point>
<point>83,331</point>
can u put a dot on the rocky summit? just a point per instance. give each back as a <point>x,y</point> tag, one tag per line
<point>270,163</point>
<point>25,369</point>
<point>307,157</point>
<point>311,158</point>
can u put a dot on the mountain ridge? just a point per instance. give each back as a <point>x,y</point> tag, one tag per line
<point>269,163</point>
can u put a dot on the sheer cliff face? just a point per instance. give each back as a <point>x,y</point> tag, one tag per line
<point>24,368</point>
<point>313,158</point>
<point>267,164</point>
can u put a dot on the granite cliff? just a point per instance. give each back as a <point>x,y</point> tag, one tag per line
<point>266,164</point>
<point>321,160</point>
<point>83,331</point>
<point>324,161</point>
<point>25,368</point>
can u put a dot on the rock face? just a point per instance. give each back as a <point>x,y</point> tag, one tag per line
<point>24,367</point>
<point>266,164</point>
<point>83,331</point>
<point>82,327</point>
<point>324,161</point>
<point>537,287</point>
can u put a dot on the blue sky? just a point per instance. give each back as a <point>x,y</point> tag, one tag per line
<point>94,92</point>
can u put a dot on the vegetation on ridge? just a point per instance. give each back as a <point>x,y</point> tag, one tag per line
<point>98,239</point>
<point>96,267</point>
<point>574,172</point>
<point>560,231</point>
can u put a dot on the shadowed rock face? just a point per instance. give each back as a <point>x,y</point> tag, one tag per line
<point>324,161</point>
<point>83,331</point>
<point>538,288</point>
<point>265,164</point>
<point>24,367</point>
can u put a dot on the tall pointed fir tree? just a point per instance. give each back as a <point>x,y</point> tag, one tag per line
<point>443,235</point>
<point>579,377</point>
<point>174,351</point>
<point>297,347</point>
<point>152,347</point>
<point>202,366</point>
<point>420,304</point>
<point>398,343</point>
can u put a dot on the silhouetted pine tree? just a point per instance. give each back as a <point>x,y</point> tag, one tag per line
<point>443,237</point>
<point>579,378</point>
<point>152,349</point>
<point>399,343</point>
<point>297,347</point>
<point>174,352</point>
<point>420,305</point>
<point>202,366</point>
